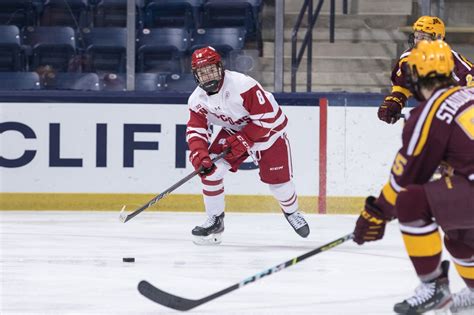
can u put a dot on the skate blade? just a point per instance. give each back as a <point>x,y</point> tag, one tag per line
<point>213,239</point>
<point>463,312</point>
<point>444,310</point>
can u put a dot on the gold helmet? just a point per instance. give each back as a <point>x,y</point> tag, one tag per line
<point>430,25</point>
<point>431,59</point>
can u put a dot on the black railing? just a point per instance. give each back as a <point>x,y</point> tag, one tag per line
<point>297,54</point>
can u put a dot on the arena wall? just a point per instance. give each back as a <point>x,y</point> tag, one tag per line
<point>100,156</point>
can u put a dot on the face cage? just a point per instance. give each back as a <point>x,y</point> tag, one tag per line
<point>418,36</point>
<point>209,77</point>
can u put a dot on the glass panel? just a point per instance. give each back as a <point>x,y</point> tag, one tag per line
<point>173,29</point>
<point>61,44</point>
<point>81,44</point>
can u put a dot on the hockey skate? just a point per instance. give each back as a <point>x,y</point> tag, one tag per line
<point>209,233</point>
<point>429,296</point>
<point>463,302</point>
<point>298,223</point>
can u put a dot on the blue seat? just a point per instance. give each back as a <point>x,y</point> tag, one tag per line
<point>20,12</point>
<point>50,45</point>
<point>19,81</point>
<point>105,49</point>
<point>113,13</point>
<point>172,13</point>
<point>184,82</point>
<point>165,82</point>
<point>113,82</point>
<point>148,81</point>
<point>224,40</point>
<point>11,56</point>
<point>71,81</point>
<point>235,13</point>
<point>162,50</point>
<point>73,13</point>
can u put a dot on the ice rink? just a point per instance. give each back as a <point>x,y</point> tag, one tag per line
<point>58,262</point>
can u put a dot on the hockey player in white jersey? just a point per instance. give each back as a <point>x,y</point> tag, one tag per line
<point>253,124</point>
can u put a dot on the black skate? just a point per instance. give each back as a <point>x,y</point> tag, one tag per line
<point>298,223</point>
<point>209,233</point>
<point>429,296</point>
<point>463,302</point>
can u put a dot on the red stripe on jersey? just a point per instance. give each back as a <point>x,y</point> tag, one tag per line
<point>211,182</point>
<point>213,193</point>
<point>272,120</point>
<point>197,120</point>
<point>273,131</point>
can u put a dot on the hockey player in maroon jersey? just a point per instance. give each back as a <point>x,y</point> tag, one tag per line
<point>425,28</point>
<point>439,130</point>
<point>253,124</point>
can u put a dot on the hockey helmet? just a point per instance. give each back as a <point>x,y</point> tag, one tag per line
<point>427,60</point>
<point>430,25</point>
<point>208,70</point>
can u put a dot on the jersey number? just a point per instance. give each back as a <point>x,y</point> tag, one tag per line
<point>399,164</point>
<point>466,121</point>
<point>260,97</point>
<point>469,80</point>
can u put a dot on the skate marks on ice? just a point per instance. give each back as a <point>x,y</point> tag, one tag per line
<point>43,253</point>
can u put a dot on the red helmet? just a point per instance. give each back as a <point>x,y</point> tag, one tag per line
<point>206,64</point>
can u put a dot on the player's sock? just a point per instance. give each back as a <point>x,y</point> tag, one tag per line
<point>463,302</point>
<point>210,232</point>
<point>286,195</point>
<point>423,245</point>
<point>433,295</point>
<point>465,268</point>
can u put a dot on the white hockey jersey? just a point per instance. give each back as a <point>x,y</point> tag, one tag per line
<point>240,105</point>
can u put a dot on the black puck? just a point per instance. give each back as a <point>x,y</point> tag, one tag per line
<point>128,259</point>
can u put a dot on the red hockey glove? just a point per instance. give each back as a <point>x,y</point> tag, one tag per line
<point>391,108</point>
<point>202,162</point>
<point>239,144</point>
<point>199,157</point>
<point>370,225</point>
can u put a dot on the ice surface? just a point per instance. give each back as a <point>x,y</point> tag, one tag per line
<point>58,262</point>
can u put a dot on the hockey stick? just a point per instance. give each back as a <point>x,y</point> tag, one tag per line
<point>183,304</point>
<point>126,217</point>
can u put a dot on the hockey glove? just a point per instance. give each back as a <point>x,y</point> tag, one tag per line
<point>199,157</point>
<point>391,108</point>
<point>371,223</point>
<point>239,144</point>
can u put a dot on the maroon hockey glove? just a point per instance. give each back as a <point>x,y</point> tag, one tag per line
<point>239,144</point>
<point>371,223</point>
<point>391,108</point>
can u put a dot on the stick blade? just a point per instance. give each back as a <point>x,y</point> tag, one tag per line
<point>123,216</point>
<point>164,298</point>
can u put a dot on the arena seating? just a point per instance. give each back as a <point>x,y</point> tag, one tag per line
<point>19,81</point>
<point>105,49</point>
<point>53,45</point>
<point>71,13</point>
<point>11,56</point>
<point>42,35</point>
<point>20,12</point>
<point>224,40</point>
<point>162,50</point>
<point>71,81</point>
<point>173,13</point>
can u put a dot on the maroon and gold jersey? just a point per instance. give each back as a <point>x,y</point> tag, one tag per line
<point>439,130</point>
<point>463,73</point>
